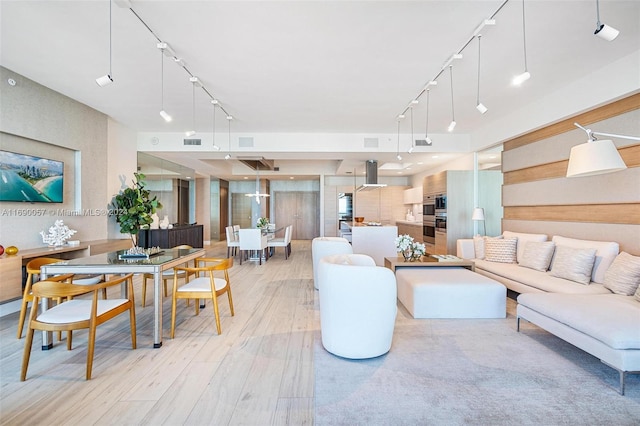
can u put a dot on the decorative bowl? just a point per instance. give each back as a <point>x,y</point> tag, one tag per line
<point>359,219</point>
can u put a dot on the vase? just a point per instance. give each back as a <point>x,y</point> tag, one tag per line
<point>416,257</point>
<point>164,223</point>
<point>407,254</point>
<point>155,221</point>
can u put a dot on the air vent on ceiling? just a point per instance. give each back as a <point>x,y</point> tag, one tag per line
<point>370,142</point>
<point>245,142</point>
<point>193,141</point>
<point>423,142</point>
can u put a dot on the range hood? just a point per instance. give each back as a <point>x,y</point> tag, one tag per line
<point>371,178</point>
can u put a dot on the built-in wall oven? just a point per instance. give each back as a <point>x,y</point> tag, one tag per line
<point>428,232</point>
<point>429,207</point>
<point>440,201</point>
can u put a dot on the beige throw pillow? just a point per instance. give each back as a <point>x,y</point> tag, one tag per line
<point>501,250</point>
<point>623,276</point>
<point>537,255</point>
<point>637,295</point>
<point>573,264</point>
<point>478,247</point>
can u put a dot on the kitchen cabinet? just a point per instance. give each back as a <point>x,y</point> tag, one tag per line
<point>413,229</point>
<point>441,243</point>
<point>413,195</point>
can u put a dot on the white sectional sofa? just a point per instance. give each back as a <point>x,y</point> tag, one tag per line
<point>596,308</point>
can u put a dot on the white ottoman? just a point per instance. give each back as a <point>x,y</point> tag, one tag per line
<point>450,292</point>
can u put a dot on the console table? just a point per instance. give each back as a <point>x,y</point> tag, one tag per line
<point>168,238</point>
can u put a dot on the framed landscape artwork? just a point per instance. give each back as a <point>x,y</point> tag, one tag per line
<point>31,179</point>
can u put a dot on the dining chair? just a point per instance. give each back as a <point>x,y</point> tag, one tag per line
<point>252,239</point>
<point>33,271</point>
<point>232,242</point>
<point>77,314</point>
<point>283,242</point>
<point>166,275</point>
<point>201,283</point>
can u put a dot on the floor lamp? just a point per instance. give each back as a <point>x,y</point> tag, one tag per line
<point>478,214</point>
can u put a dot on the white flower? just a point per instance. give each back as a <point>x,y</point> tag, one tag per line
<point>419,248</point>
<point>404,242</point>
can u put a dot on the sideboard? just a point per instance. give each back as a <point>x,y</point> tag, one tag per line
<point>168,238</point>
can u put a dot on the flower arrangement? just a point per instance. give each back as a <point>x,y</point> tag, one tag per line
<point>263,222</point>
<point>410,249</point>
<point>58,234</point>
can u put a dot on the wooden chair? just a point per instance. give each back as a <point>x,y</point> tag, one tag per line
<point>204,285</point>
<point>33,270</point>
<point>166,275</point>
<point>76,314</point>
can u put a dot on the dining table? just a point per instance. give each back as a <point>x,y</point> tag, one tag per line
<point>119,262</point>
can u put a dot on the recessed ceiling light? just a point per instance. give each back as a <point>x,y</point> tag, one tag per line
<point>434,156</point>
<point>291,177</point>
<point>246,177</point>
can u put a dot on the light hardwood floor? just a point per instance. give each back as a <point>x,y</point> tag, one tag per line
<point>258,372</point>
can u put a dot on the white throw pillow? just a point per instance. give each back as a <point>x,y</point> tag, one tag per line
<point>573,264</point>
<point>623,276</point>
<point>522,239</point>
<point>537,255</point>
<point>606,252</point>
<point>478,246</point>
<point>501,250</point>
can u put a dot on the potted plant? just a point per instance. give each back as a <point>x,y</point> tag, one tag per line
<point>134,208</point>
<point>262,223</point>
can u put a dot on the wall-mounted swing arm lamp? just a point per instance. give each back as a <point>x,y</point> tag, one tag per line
<point>107,78</point>
<point>604,31</point>
<point>596,157</point>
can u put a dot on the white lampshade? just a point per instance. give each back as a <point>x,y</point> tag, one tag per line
<point>594,158</point>
<point>606,32</point>
<point>478,214</point>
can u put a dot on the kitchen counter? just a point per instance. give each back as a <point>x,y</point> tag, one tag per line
<point>408,222</point>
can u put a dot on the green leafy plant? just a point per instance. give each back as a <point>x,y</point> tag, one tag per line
<point>134,206</point>
<point>262,222</point>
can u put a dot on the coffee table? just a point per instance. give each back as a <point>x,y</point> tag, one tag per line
<point>426,261</point>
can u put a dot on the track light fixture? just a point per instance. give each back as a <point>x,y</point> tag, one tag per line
<point>452,125</point>
<point>479,105</point>
<point>398,157</point>
<point>426,130</point>
<point>213,134</point>
<point>228,156</point>
<point>194,81</point>
<point>519,79</point>
<point>107,79</point>
<point>410,151</point>
<point>604,31</point>
<point>165,116</point>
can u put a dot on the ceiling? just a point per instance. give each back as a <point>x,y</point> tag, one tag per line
<point>310,68</point>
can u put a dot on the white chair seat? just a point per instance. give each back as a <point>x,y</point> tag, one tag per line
<point>77,310</point>
<point>88,280</point>
<point>202,284</point>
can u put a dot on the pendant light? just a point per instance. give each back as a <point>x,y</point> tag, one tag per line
<point>257,194</point>
<point>194,82</point>
<point>107,79</point>
<point>412,140</point>
<point>521,78</point>
<point>163,113</point>
<point>452,125</point>
<point>604,31</point>
<point>479,105</point>
<point>214,102</point>
<point>398,157</point>
<point>426,130</point>
<point>228,156</point>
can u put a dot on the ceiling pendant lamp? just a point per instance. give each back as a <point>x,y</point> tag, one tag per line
<point>398,156</point>
<point>521,78</point>
<point>107,78</point>
<point>165,116</point>
<point>452,125</point>
<point>479,105</point>
<point>604,31</point>
<point>410,151</point>
<point>214,102</point>
<point>426,130</point>
<point>595,157</point>
<point>228,156</point>
<point>194,81</point>
<point>257,194</point>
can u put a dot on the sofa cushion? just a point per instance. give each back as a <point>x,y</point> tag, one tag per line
<point>637,295</point>
<point>537,255</point>
<point>478,246</point>
<point>501,250</point>
<point>606,252</point>
<point>522,239</point>
<point>573,264</point>
<point>537,280</point>
<point>623,276</point>
<point>612,319</point>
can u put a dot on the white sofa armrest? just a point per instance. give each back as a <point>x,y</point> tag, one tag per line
<point>465,248</point>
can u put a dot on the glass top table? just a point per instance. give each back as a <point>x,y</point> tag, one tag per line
<point>110,263</point>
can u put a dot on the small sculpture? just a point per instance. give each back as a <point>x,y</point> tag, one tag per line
<point>164,223</point>
<point>58,234</point>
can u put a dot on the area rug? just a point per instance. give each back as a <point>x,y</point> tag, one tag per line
<point>472,372</point>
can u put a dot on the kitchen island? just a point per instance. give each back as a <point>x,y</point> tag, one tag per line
<point>378,241</point>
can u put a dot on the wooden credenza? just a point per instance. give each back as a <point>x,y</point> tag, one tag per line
<point>167,238</point>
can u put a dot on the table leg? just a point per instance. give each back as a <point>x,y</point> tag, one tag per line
<point>47,336</point>
<point>157,309</point>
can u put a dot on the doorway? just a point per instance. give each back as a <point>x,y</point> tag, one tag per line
<point>299,209</point>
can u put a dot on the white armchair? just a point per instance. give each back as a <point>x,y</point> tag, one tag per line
<point>324,246</point>
<point>358,306</point>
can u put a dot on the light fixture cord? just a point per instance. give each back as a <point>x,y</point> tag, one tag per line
<point>453,114</point>
<point>524,38</point>
<point>478,95</point>
<point>229,136</point>
<point>214,125</point>
<point>426,130</point>
<point>398,142</point>
<point>194,105</point>
<point>162,80</point>
<point>412,127</point>
<point>110,55</point>
<point>598,13</point>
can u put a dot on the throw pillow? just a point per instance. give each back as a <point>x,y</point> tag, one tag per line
<point>478,247</point>
<point>537,255</point>
<point>623,276</point>
<point>637,295</point>
<point>501,250</point>
<point>573,264</point>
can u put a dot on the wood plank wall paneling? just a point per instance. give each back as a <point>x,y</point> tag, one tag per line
<point>624,213</point>
<point>630,155</point>
<point>598,114</point>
